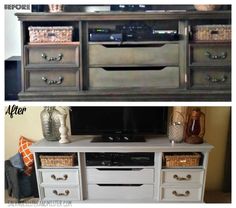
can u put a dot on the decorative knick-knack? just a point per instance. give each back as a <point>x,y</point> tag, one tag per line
<point>50,123</point>
<point>195,129</point>
<point>53,8</point>
<point>176,127</point>
<point>63,129</point>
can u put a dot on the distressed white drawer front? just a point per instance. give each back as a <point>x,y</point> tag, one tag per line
<point>182,176</point>
<point>120,192</point>
<point>181,194</point>
<point>64,193</point>
<point>58,177</point>
<point>122,175</point>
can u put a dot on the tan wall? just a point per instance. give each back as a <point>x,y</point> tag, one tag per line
<point>217,125</point>
<point>28,125</point>
<point>217,122</point>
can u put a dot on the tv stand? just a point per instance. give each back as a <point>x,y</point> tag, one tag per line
<point>120,172</point>
<point>153,70</point>
<point>119,138</point>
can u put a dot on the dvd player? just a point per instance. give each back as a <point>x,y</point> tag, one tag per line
<point>106,37</point>
<point>120,159</point>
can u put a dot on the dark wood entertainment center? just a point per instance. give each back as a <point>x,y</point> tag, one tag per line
<point>177,70</point>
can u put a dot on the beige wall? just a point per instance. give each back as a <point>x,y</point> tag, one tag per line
<point>28,125</point>
<point>217,125</point>
<point>217,122</point>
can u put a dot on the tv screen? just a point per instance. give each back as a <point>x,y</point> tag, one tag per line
<point>112,120</point>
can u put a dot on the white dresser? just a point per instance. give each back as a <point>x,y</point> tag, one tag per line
<point>112,182</point>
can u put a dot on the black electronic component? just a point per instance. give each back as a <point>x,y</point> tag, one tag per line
<point>120,159</point>
<point>106,37</point>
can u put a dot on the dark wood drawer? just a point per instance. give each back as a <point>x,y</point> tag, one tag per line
<point>210,54</point>
<point>52,80</point>
<point>43,56</point>
<point>164,77</point>
<point>160,55</point>
<point>210,78</point>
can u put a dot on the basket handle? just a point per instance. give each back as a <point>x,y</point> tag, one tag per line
<point>214,32</point>
<point>172,115</point>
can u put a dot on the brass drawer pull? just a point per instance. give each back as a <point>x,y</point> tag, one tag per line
<point>64,178</point>
<point>180,195</point>
<point>187,178</point>
<point>67,192</point>
<point>223,55</point>
<point>51,82</point>
<point>215,80</point>
<point>58,58</point>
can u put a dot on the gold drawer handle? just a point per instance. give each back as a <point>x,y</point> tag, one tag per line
<point>53,82</point>
<point>64,178</point>
<point>187,178</point>
<point>186,194</point>
<point>58,58</point>
<point>67,192</point>
<point>223,55</point>
<point>215,80</point>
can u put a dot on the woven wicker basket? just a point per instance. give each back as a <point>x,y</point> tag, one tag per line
<point>50,34</point>
<point>57,160</point>
<point>212,33</point>
<point>207,7</point>
<point>182,160</point>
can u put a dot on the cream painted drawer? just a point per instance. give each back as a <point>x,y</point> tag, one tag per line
<point>60,177</point>
<point>166,77</point>
<point>55,55</point>
<point>120,175</point>
<point>182,177</point>
<point>120,192</point>
<point>181,194</point>
<point>62,193</point>
<point>105,55</point>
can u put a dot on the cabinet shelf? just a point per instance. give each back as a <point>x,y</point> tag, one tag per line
<point>66,167</point>
<point>182,168</point>
<point>54,43</point>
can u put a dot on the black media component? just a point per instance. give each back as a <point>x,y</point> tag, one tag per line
<point>106,37</point>
<point>165,35</point>
<point>137,31</point>
<point>104,34</point>
<point>120,159</point>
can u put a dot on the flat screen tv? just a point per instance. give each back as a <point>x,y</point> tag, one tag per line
<point>135,121</point>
